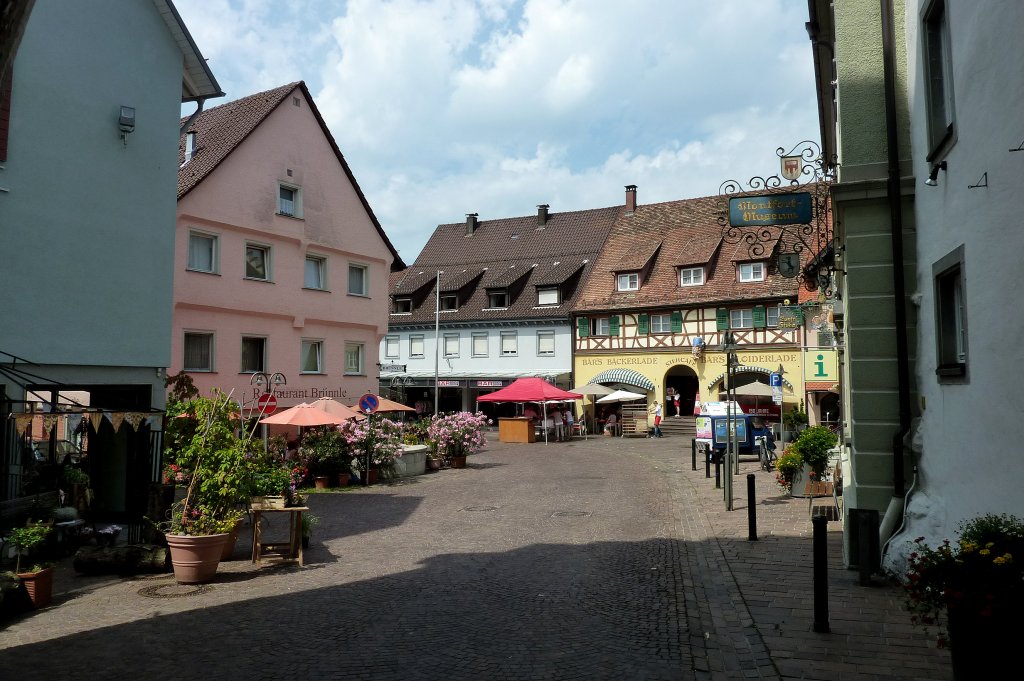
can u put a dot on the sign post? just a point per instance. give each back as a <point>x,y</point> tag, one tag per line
<point>368,404</point>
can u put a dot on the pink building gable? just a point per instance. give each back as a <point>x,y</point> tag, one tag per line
<point>257,289</point>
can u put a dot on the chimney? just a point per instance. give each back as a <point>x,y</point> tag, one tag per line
<point>630,199</point>
<point>470,223</point>
<point>542,214</point>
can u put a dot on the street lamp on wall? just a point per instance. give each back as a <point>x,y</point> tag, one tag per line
<point>126,122</point>
<point>265,381</point>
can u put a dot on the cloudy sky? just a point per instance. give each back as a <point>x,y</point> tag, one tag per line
<point>448,107</point>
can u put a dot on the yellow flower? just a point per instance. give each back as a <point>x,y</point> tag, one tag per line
<point>967,547</point>
<point>990,545</point>
<point>984,552</point>
<point>1004,559</point>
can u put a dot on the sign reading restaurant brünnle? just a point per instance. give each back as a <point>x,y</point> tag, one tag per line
<point>775,209</point>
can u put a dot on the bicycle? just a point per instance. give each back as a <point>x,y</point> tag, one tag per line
<point>765,456</point>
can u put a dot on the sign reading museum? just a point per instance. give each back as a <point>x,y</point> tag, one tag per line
<point>777,209</point>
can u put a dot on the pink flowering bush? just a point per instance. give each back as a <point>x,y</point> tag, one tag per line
<point>458,434</point>
<point>380,436</point>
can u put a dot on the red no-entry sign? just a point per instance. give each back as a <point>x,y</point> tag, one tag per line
<point>267,404</point>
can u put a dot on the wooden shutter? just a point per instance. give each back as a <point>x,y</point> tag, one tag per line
<point>722,319</point>
<point>582,326</point>
<point>613,325</point>
<point>677,322</point>
<point>642,324</point>
<point>760,317</point>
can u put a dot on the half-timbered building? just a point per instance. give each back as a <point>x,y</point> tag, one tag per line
<point>661,296</point>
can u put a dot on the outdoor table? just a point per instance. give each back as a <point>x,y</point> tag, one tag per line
<point>290,550</point>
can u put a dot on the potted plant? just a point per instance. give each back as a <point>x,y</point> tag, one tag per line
<point>972,591</point>
<point>38,580</point>
<point>325,451</point>
<point>377,439</point>
<point>216,464</point>
<point>309,521</point>
<point>458,435</point>
<point>786,468</point>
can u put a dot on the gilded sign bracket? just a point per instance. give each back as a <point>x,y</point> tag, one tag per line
<point>806,173</point>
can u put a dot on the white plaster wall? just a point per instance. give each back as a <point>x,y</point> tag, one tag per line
<point>970,434</point>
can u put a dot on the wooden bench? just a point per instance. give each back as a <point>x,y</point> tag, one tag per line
<point>832,486</point>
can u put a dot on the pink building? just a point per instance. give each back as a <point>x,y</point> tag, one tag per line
<point>280,264</point>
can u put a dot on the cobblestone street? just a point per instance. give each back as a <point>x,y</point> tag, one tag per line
<point>600,559</point>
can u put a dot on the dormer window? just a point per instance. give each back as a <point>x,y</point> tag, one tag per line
<point>190,146</point>
<point>548,296</point>
<point>449,302</point>
<point>752,271</point>
<point>402,306</point>
<point>497,299</point>
<point>691,276</point>
<point>628,282</point>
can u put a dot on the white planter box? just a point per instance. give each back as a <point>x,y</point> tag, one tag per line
<point>412,462</point>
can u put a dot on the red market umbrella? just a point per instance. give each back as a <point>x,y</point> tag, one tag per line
<point>530,390</point>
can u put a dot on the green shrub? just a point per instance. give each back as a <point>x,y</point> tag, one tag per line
<point>786,467</point>
<point>814,445</point>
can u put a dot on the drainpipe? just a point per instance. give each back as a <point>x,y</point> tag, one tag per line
<point>195,114</point>
<point>896,218</point>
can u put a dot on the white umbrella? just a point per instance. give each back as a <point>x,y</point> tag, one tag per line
<point>755,389</point>
<point>593,389</point>
<point>622,396</point>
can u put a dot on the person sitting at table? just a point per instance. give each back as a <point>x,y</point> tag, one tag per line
<point>610,423</point>
<point>530,412</point>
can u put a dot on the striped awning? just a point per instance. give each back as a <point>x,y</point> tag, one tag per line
<point>626,376</point>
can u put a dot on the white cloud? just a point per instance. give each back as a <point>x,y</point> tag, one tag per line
<point>444,107</point>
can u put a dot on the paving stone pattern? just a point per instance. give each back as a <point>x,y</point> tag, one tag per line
<point>600,559</point>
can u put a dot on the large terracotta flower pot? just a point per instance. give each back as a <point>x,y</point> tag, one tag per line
<point>229,543</point>
<point>195,558</point>
<point>458,462</point>
<point>39,586</point>
<point>372,476</point>
<point>343,479</point>
<point>320,481</point>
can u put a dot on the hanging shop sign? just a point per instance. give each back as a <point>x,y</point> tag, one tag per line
<point>490,384</point>
<point>777,209</point>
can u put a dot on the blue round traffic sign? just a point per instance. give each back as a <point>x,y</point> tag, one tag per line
<point>368,403</point>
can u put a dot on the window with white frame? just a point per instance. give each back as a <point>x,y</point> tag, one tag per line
<point>741,319</point>
<point>416,345</point>
<point>480,348</point>
<point>451,345</point>
<point>545,343</point>
<point>354,353</point>
<point>198,351</point>
<point>289,201</point>
<point>772,315</point>
<point>752,271</point>
<point>391,347</point>
<point>661,323</point>
<point>257,262</point>
<point>254,354</point>
<point>548,296</point>
<point>202,252</point>
<point>357,280</point>
<point>190,146</point>
<point>449,302</point>
<point>509,343</point>
<point>691,276</point>
<point>497,299</point>
<point>401,306</point>
<point>950,318</point>
<point>628,282</point>
<point>938,76</point>
<point>311,357</point>
<point>315,272</point>
<point>599,326</point>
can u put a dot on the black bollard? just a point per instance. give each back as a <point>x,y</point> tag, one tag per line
<point>867,546</point>
<point>693,454</point>
<point>751,510</point>
<point>707,461</point>
<point>820,525</point>
<point>718,472</point>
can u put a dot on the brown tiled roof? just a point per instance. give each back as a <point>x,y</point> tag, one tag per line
<point>560,252</point>
<point>637,257</point>
<point>453,279</point>
<point>220,130</point>
<point>691,235</point>
<point>413,280</point>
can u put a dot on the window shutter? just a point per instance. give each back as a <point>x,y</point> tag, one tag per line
<point>582,326</point>
<point>722,319</point>
<point>760,320</point>
<point>677,322</point>
<point>613,325</point>
<point>642,324</point>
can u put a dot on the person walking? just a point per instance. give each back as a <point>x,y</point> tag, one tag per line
<point>656,432</point>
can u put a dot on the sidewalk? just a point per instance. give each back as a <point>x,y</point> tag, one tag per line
<point>755,598</point>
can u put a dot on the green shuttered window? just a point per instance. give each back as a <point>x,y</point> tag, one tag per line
<point>722,319</point>
<point>760,321</point>
<point>613,325</point>
<point>677,322</point>
<point>642,324</point>
<point>583,326</point>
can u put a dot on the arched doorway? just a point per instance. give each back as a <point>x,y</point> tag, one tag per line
<point>680,382</point>
<point>829,409</point>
